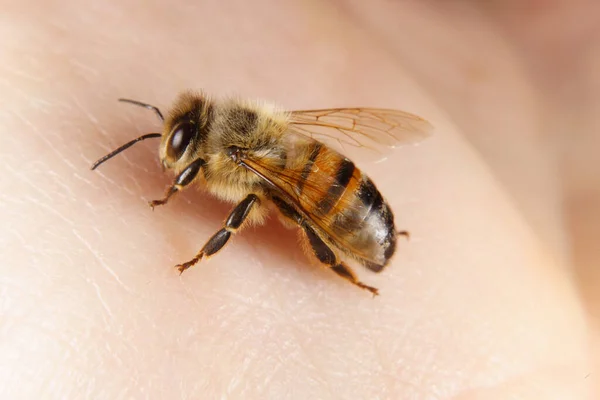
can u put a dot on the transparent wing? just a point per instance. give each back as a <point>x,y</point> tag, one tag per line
<point>370,129</point>
<point>315,190</point>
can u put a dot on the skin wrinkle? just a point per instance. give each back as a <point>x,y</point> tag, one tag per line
<point>312,364</point>
<point>63,186</point>
<point>48,143</point>
<point>48,208</point>
<point>102,301</point>
<point>101,261</point>
<point>22,178</point>
<point>93,120</point>
<point>528,380</point>
<point>241,348</point>
<point>20,74</point>
<point>254,358</point>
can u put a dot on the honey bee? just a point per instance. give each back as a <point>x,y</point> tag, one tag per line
<point>260,157</point>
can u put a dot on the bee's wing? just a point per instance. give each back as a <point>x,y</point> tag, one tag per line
<point>316,188</point>
<point>369,129</point>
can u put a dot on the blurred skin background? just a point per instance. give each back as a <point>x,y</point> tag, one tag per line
<point>557,46</point>
<point>552,170</point>
<point>520,80</point>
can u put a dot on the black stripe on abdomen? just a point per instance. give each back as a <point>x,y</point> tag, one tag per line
<point>369,195</point>
<point>315,149</point>
<point>336,190</point>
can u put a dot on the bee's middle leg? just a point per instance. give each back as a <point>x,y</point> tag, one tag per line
<point>183,179</point>
<point>232,224</point>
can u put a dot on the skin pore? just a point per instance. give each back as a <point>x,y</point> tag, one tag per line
<point>481,302</point>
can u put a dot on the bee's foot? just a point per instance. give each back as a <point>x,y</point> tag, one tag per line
<point>186,265</point>
<point>406,234</point>
<point>155,203</point>
<point>371,289</point>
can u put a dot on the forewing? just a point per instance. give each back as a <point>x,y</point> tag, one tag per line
<point>372,130</point>
<point>315,188</point>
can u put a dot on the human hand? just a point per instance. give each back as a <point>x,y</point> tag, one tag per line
<point>478,304</point>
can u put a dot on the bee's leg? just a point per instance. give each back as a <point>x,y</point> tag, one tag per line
<point>324,253</point>
<point>321,250</point>
<point>345,272</point>
<point>232,224</point>
<point>406,234</point>
<point>183,179</point>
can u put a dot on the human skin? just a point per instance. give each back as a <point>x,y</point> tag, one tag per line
<point>480,303</point>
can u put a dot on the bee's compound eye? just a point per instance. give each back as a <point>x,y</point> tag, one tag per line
<point>180,139</point>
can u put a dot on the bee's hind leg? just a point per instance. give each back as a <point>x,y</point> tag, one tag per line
<point>345,272</point>
<point>406,234</point>
<point>325,255</point>
<point>320,249</point>
<point>232,224</point>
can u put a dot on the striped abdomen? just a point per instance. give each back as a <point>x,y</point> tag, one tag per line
<point>347,206</point>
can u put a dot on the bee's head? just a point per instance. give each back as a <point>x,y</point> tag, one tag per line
<point>185,130</point>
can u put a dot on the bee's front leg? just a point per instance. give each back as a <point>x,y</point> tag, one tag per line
<point>183,179</point>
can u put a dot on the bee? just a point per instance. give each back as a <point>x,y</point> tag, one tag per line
<point>261,157</point>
